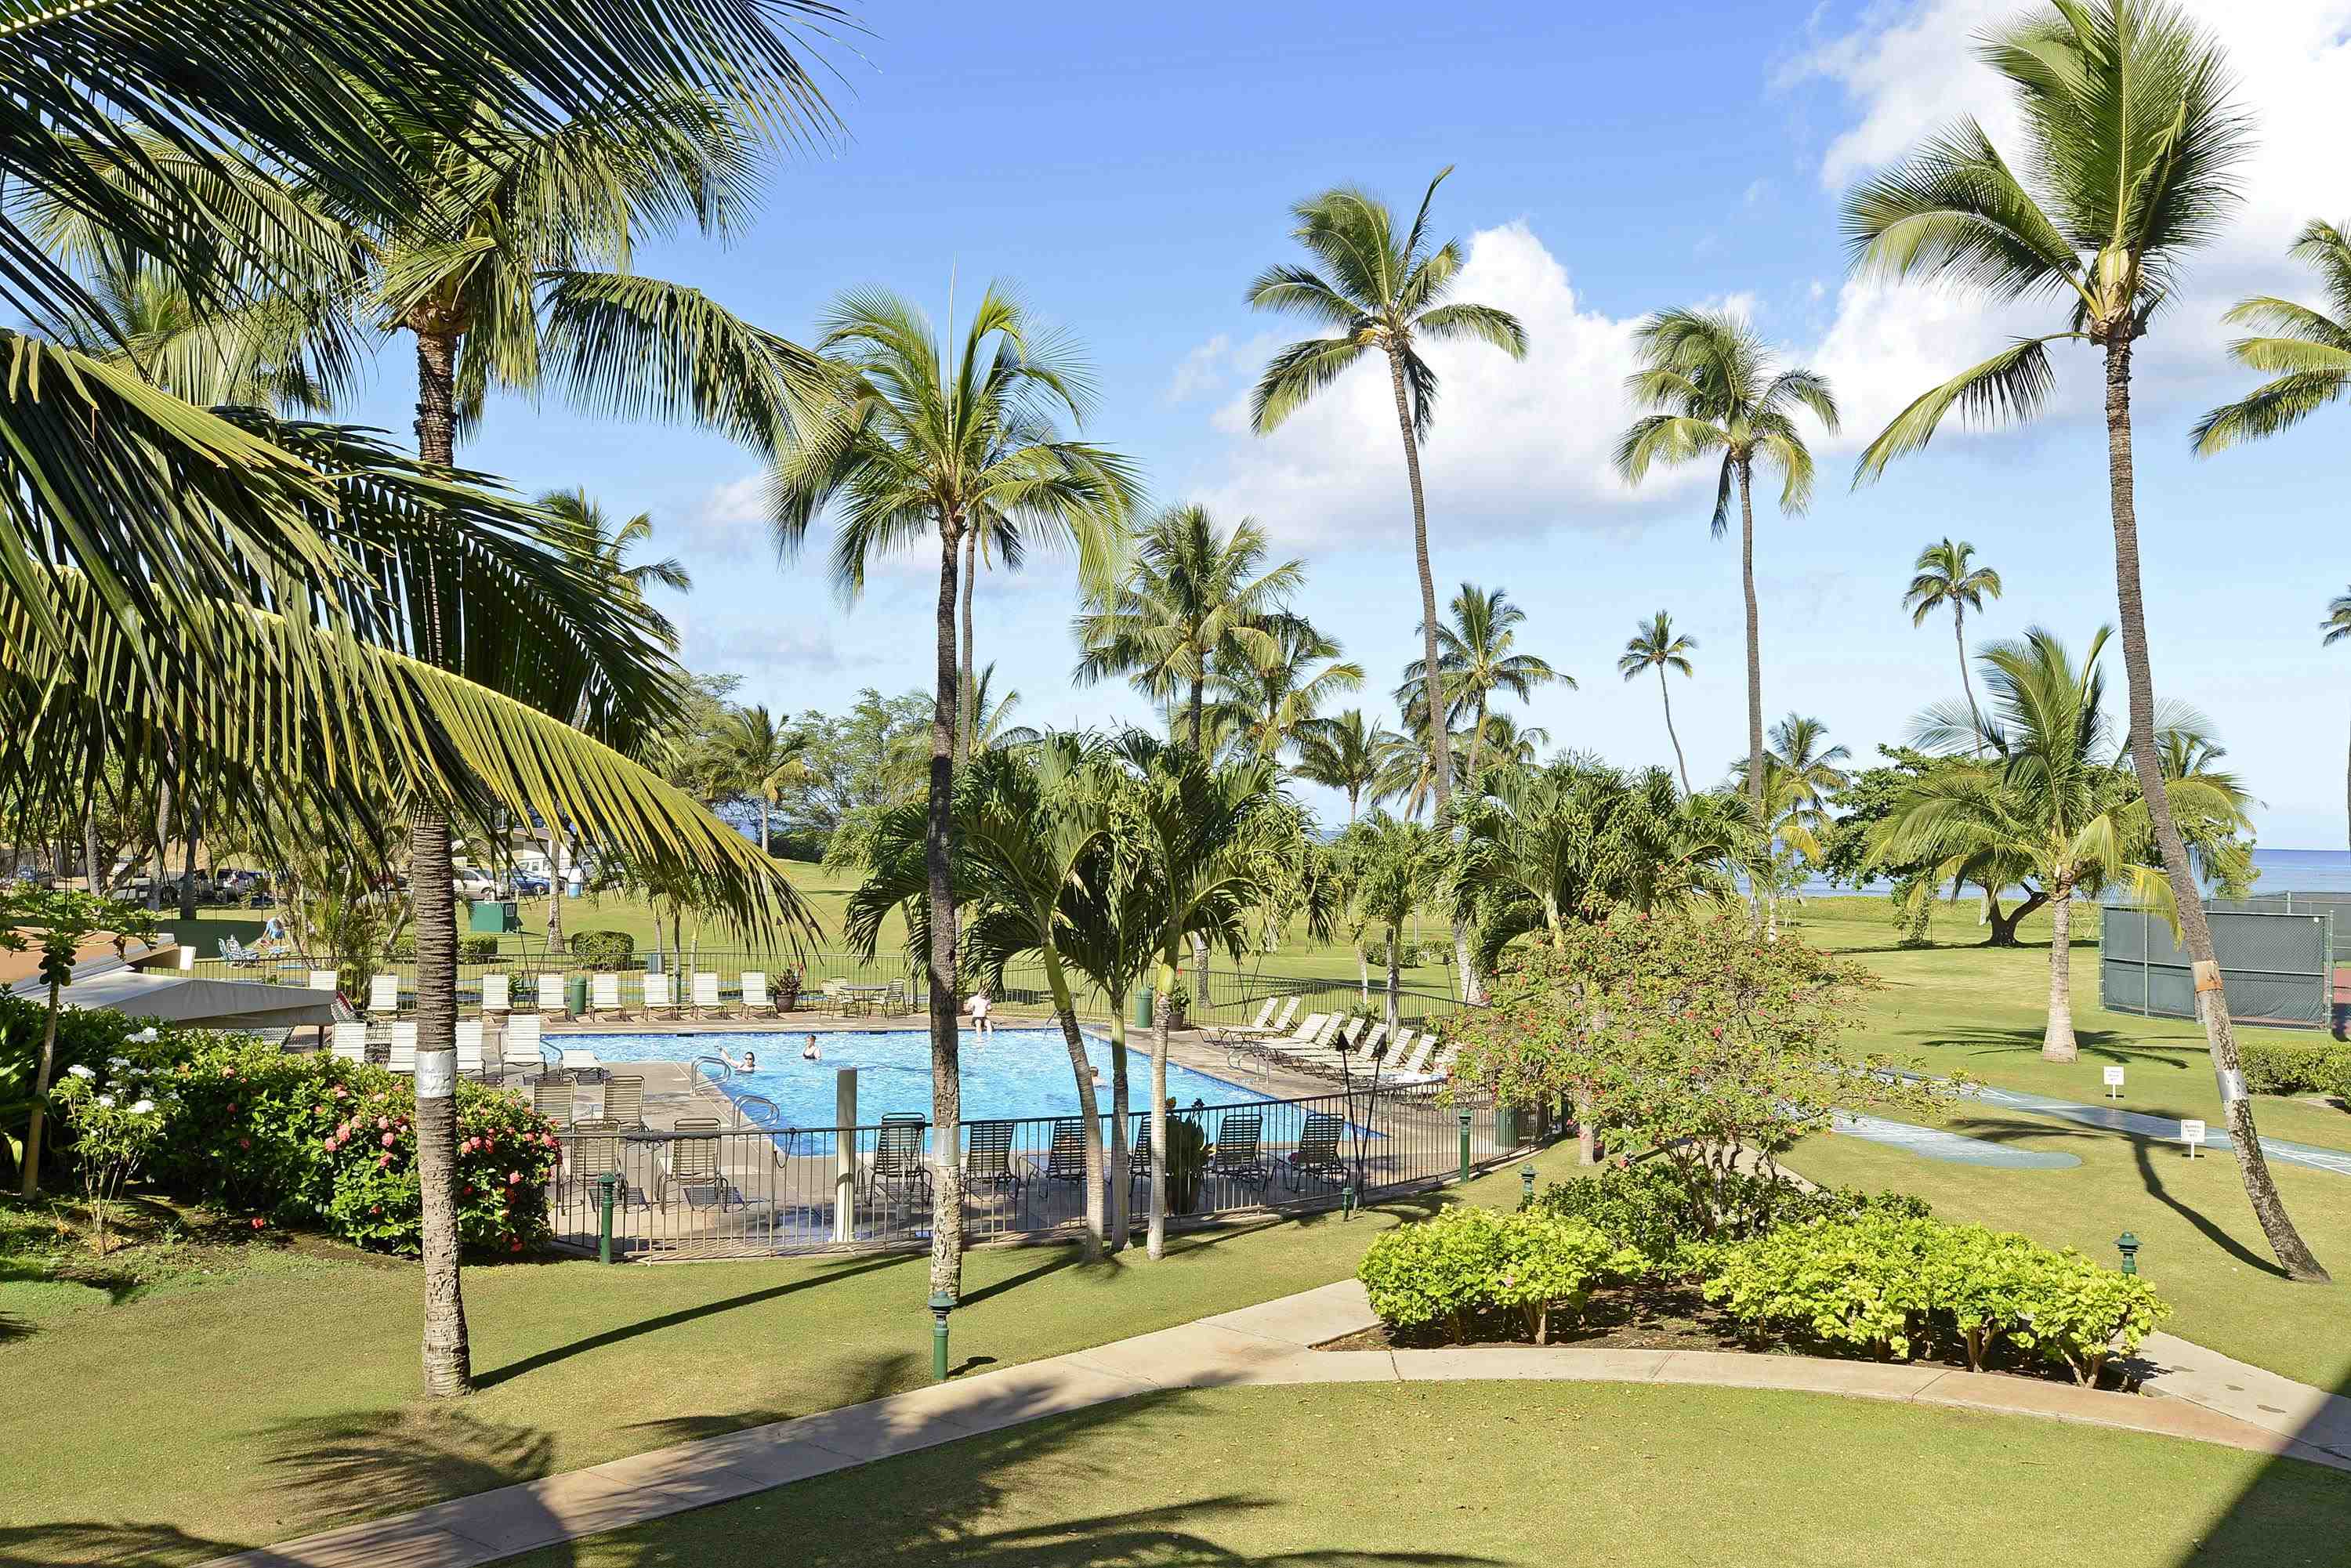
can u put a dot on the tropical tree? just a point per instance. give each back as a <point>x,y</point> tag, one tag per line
<point>1194,598</point>
<point>1394,868</point>
<point>1342,753</point>
<point>1655,645</point>
<point>2132,158</point>
<point>1379,290</point>
<point>1947,576</point>
<point>1800,777</point>
<point>2337,626</point>
<point>991,725</point>
<point>1716,386</point>
<point>2305,351</point>
<point>942,439</point>
<point>767,755</point>
<point>608,548</point>
<point>2053,803</point>
<point>1474,659</point>
<point>1266,704</point>
<point>261,353</point>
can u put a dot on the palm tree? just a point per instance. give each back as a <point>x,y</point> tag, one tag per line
<point>1718,387</point>
<point>605,550</point>
<point>260,354</point>
<point>1655,645</point>
<point>1800,774</point>
<point>2053,804</point>
<point>2306,352</point>
<point>991,725</point>
<point>2337,626</point>
<point>1194,598</point>
<point>1269,703</point>
<point>1394,868</point>
<point>1377,290</point>
<point>1946,576</point>
<point>765,759</point>
<point>1341,754</point>
<point>1474,659</point>
<point>943,439</point>
<point>2131,159</point>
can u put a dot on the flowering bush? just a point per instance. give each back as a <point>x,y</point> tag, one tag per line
<point>115,1124</point>
<point>311,1137</point>
<point>1468,1261</point>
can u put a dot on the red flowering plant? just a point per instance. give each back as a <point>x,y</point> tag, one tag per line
<point>313,1137</point>
<point>1681,1032</point>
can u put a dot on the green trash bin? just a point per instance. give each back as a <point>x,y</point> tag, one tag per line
<point>1143,1008</point>
<point>575,996</point>
<point>494,917</point>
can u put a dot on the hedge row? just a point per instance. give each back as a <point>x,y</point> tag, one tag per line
<point>2274,1069</point>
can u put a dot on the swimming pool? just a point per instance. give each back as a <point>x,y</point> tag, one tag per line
<point>1015,1072</point>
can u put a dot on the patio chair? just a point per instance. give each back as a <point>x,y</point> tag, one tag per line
<point>551,1098</point>
<point>469,1048</point>
<point>348,1041</point>
<point>595,1150</point>
<point>384,993</point>
<point>1065,1158</point>
<point>237,954</point>
<point>895,1001</point>
<point>757,1002</point>
<point>836,997</point>
<point>661,996</point>
<point>320,979</point>
<point>520,1045</point>
<point>551,996</point>
<point>625,1101</point>
<point>688,1159</point>
<point>581,1063</point>
<point>1233,1156</point>
<point>707,1003</point>
<point>403,1047</point>
<point>604,997</point>
<point>1317,1154</point>
<point>497,995</point>
<point>988,1163</point>
<point>897,1171</point>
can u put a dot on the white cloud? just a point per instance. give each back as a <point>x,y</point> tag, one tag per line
<point>1757,190</point>
<point>730,522</point>
<point>1202,369</point>
<point>1519,447</point>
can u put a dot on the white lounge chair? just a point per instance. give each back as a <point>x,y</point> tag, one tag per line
<point>1265,1053</point>
<point>469,1048</point>
<point>550,996</point>
<point>324,980</point>
<point>604,996</point>
<point>661,995</point>
<point>348,1042</point>
<point>706,1002</point>
<point>384,993</point>
<point>1261,1024</point>
<point>757,1002</point>
<point>1436,1070</point>
<point>519,1046</point>
<point>580,1059</point>
<point>497,995</point>
<point>403,1047</point>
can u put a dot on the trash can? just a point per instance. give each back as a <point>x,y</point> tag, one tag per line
<point>492,917</point>
<point>575,996</point>
<point>1143,1008</point>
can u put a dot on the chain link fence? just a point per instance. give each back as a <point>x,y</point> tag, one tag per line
<point>2276,967</point>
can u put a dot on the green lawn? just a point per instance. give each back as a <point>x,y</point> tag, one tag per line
<point>1501,1475</point>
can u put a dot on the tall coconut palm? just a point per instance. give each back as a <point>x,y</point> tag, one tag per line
<point>609,549</point>
<point>1271,701</point>
<point>766,756</point>
<point>1718,387</point>
<point>992,729</point>
<point>1342,753</point>
<point>1474,658</point>
<point>2052,804</point>
<point>1377,289</point>
<point>1195,597</point>
<point>1800,777</point>
<point>2132,159</point>
<point>1946,575</point>
<point>2305,351</point>
<point>2337,626</point>
<point>935,439</point>
<point>1655,645</point>
<point>1395,867</point>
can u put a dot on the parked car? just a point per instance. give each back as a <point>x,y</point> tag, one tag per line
<point>527,885</point>
<point>471,884</point>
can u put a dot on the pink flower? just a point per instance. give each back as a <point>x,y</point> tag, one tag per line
<point>382,1161</point>
<point>387,1139</point>
<point>375,1209</point>
<point>381,1123</point>
<point>258,1222</point>
<point>513,1176</point>
<point>245,1142</point>
<point>318,1110</point>
<point>329,1145</point>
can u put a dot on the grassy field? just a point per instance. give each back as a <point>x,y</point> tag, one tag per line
<point>1521,1476</point>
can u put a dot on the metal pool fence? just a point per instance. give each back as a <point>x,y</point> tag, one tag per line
<point>751,1190</point>
<point>2275,967</point>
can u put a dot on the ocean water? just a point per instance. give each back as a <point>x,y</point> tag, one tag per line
<point>2280,871</point>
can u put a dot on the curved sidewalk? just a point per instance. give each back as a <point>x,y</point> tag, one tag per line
<point>2219,1401</point>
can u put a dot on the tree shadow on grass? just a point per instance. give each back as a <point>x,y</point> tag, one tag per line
<point>2104,1044</point>
<point>2143,1152</point>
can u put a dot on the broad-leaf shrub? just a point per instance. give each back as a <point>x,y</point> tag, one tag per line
<point>1663,1209</point>
<point>1468,1261</point>
<point>603,949</point>
<point>1897,1286</point>
<point>309,1137</point>
<point>2273,1068</point>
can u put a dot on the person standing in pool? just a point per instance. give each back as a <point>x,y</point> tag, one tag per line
<point>808,1052</point>
<point>750,1062</point>
<point>981,1022</point>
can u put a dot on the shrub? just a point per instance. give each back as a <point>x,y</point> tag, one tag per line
<point>603,949</point>
<point>1467,1261</point>
<point>1549,1263</point>
<point>116,1124</point>
<point>87,1037</point>
<point>2274,1069</point>
<point>470,949</point>
<point>1660,1208</point>
<point>1897,1284</point>
<point>311,1137</point>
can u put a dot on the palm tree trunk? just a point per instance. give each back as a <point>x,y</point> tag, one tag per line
<point>1156,1236</point>
<point>1394,974</point>
<point>163,832</point>
<point>2057,1034</point>
<point>555,890</point>
<point>1199,716</point>
<point>1959,632</point>
<point>764,836</point>
<point>946,1047</point>
<point>89,852</point>
<point>188,830</point>
<point>1122,1193</point>
<point>966,693</point>
<point>1754,644</point>
<point>1681,763</point>
<point>1089,1108</point>
<point>30,1186</point>
<point>447,1352</point>
<point>2293,1253</point>
<point>1477,740</point>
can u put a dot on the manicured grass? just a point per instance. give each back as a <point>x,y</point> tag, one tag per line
<point>1533,1474</point>
<point>283,1400</point>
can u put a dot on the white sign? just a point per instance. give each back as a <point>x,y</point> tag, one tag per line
<point>2191,1133</point>
<point>2114,1077</point>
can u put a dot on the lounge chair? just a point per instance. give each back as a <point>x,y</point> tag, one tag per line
<point>551,996</point>
<point>324,980</point>
<point>1437,1071</point>
<point>757,1002</point>
<point>604,996</point>
<point>625,1101</point>
<point>403,1047</point>
<point>348,1041</point>
<point>595,1151</point>
<point>1261,1024</point>
<point>519,1045</point>
<point>661,996</point>
<point>1065,1159</point>
<point>688,1159</point>
<point>237,954</point>
<point>1410,1058</point>
<point>898,1172</point>
<point>383,995</point>
<point>1313,1053</point>
<point>551,1098</point>
<point>707,1003</point>
<point>987,1165</point>
<point>1317,1154</point>
<point>469,1048</point>
<point>1234,1155</point>
<point>581,1063</point>
<point>1374,1041</point>
<point>497,995</point>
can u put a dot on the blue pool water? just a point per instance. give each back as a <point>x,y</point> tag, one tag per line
<point>1016,1072</point>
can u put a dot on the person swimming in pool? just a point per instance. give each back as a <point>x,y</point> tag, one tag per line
<point>750,1062</point>
<point>808,1052</point>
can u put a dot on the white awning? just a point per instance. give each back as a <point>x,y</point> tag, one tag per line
<point>172,997</point>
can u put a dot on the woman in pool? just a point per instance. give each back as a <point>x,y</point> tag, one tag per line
<point>750,1062</point>
<point>808,1052</point>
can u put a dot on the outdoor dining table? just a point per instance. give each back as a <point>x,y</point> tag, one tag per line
<point>866,999</point>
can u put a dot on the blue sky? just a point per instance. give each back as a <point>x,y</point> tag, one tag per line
<point>1130,169</point>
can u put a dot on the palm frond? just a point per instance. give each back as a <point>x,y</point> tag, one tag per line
<point>2010,385</point>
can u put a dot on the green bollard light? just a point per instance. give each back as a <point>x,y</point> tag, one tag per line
<point>941,1305</point>
<point>2127,1245</point>
<point>609,1182</point>
<point>1347,1201</point>
<point>1465,1146</point>
<point>1526,1185</point>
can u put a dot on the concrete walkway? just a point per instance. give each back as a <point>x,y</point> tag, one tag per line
<point>2207,1398</point>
